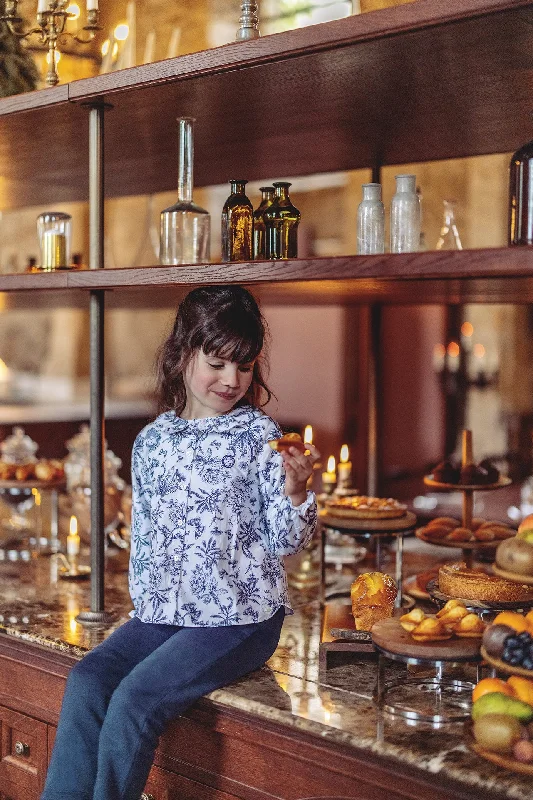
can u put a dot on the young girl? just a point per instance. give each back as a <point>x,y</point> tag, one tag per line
<point>214,510</point>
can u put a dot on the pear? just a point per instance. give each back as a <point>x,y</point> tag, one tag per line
<point>498,703</point>
<point>516,554</point>
<point>526,535</point>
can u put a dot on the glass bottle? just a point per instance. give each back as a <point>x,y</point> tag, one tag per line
<point>54,232</point>
<point>371,221</point>
<point>185,227</point>
<point>521,196</point>
<point>405,216</point>
<point>281,224</point>
<point>237,224</point>
<point>267,198</point>
<point>449,238</point>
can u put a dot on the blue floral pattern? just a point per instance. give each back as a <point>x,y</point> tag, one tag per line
<point>211,522</point>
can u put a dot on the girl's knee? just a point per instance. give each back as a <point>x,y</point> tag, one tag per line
<point>84,680</point>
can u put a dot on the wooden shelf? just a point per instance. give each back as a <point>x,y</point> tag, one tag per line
<point>503,275</point>
<point>394,86</point>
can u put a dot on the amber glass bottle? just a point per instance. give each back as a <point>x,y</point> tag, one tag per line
<point>281,224</point>
<point>237,225</point>
<point>521,196</point>
<point>267,198</point>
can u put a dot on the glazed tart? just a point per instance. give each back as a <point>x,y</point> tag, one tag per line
<point>363,507</point>
<point>456,580</point>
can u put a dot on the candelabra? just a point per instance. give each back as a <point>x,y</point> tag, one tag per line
<point>52,16</point>
<point>248,21</point>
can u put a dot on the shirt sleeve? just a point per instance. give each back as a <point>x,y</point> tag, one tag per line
<point>289,528</point>
<point>138,576</point>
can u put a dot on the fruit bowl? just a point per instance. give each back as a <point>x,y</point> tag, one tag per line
<point>503,666</point>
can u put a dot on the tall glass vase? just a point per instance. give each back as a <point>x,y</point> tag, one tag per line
<point>185,227</point>
<point>371,221</point>
<point>405,216</point>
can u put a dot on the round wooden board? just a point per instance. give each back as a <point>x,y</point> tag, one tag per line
<point>33,484</point>
<point>501,666</point>
<point>474,545</point>
<point>526,580</point>
<point>388,635</point>
<point>474,487</point>
<point>405,523</point>
<point>434,591</point>
<point>507,762</point>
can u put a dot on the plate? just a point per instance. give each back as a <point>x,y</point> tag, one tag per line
<point>434,591</point>
<point>389,636</point>
<point>507,762</point>
<point>471,545</point>
<point>475,487</point>
<point>527,580</point>
<point>405,523</point>
<point>410,587</point>
<point>501,666</point>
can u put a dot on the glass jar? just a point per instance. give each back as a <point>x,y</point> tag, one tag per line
<point>371,221</point>
<point>521,196</point>
<point>281,222</point>
<point>237,224</point>
<point>405,216</point>
<point>185,227</point>
<point>267,198</point>
<point>54,232</point>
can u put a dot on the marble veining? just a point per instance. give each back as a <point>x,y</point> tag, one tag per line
<point>336,705</point>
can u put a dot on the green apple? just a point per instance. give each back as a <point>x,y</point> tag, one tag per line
<point>526,535</point>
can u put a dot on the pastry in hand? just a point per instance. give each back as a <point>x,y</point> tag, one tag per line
<point>431,630</point>
<point>412,619</point>
<point>286,441</point>
<point>373,595</point>
<point>469,626</point>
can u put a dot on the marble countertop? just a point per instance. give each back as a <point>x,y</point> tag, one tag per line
<point>334,704</point>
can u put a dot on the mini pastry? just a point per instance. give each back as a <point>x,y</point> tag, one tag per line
<point>469,626</point>
<point>436,532</point>
<point>446,472</point>
<point>431,630</point>
<point>460,535</point>
<point>412,619</point>
<point>445,522</point>
<point>373,595</point>
<point>453,615</point>
<point>473,474</point>
<point>484,535</point>
<point>493,474</point>
<point>286,441</point>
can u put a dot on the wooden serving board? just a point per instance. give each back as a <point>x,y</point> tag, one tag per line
<point>404,523</point>
<point>388,635</point>
<point>527,580</point>
<point>501,666</point>
<point>472,487</point>
<point>507,762</point>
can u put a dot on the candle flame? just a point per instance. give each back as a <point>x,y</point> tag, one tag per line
<point>453,349</point>
<point>308,434</point>
<point>331,464</point>
<point>467,329</point>
<point>439,351</point>
<point>73,526</point>
<point>345,454</point>
<point>479,350</point>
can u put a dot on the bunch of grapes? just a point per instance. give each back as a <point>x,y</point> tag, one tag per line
<point>518,650</point>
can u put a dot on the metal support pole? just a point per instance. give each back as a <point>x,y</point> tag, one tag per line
<point>96,615</point>
<point>373,400</point>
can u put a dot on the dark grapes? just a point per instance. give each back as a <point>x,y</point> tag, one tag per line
<point>524,637</point>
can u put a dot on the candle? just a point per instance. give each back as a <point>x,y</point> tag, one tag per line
<point>92,5</point>
<point>344,470</point>
<point>42,5</point>
<point>453,351</point>
<point>54,250</point>
<point>329,478</point>
<point>308,434</point>
<point>73,540</point>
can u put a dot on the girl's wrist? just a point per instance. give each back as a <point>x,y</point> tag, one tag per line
<point>298,498</point>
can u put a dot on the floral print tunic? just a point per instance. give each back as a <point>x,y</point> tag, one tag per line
<point>211,522</point>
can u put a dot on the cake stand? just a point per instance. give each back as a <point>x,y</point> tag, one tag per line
<point>376,529</point>
<point>468,548</point>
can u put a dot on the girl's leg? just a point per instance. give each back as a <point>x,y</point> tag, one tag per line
<point>90,685</point>
<point>191,663</point>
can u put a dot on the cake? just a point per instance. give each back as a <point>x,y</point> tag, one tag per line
<point>363,507</point>
<point>373,595</point>
<point>456,580</point>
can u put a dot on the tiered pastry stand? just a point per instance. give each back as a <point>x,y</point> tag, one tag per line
<point>468,548</point>
<point>376,529</point>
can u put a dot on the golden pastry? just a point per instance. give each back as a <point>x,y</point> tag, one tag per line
<point>412,619</point>
<point>373,595</point>
<point>469,626</point>
<point>431,630</point>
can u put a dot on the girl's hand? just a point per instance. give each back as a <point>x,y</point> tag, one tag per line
<point>298,469</point>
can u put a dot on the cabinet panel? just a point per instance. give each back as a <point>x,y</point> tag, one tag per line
<point>163,785</point>
<point>23,754</point>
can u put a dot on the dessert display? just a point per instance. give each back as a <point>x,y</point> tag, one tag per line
<point>372,595</point>
<point>447,530</point>
<point>286,441</point>
<point>453,619</point>
<point>460,581</point>
<point>18,462</point>
<point>514,558</point>
<point>363,507</point>
<point>508,642</point>
<point>472,474</point>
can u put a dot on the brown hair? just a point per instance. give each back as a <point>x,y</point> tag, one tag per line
<point>223,321</point>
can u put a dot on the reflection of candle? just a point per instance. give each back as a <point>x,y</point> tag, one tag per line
<point>308,434</point>
<point>329,478</point>
<point>439,355</point>
<point>453,356</point>
<point>92,5</point>
<point>344,470</point>
<point>73,540</point>
<point>54,250</point>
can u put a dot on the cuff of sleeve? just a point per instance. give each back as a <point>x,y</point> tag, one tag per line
<point>304,507</point>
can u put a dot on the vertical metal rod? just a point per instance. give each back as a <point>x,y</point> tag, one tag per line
<point>96,337</point>
<point>373,405</point>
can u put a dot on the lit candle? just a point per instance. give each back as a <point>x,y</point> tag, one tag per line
<point>329,478</point>
<point>42,5</point>
<point>92,5</point>
<point>344,470</point>
<point>73,540</point>
<point>453,352</point>
<point>308,434</point>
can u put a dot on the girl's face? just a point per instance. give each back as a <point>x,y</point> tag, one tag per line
<point>214,385</point>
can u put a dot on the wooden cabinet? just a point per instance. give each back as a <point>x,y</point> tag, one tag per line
<point>23,755</point>
<point>164,785</point>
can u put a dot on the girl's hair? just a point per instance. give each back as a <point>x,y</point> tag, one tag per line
<point>223,321</point>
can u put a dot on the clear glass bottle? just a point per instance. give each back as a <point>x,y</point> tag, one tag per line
<point>185,227</point>
<point>405,216</point>
<point>371,221</point>
<point>237,224</point>
<point>267,198</point>
<point>281,222</point>
<point>521,196</point>
<point>449,238</point>
<point>54,232</point>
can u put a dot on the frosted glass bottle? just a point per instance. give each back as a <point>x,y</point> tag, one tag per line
<point>371,221</point>
<point>449,238</point>
<point>405,216</point>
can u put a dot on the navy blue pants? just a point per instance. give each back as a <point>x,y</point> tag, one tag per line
<point>120,696</point>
